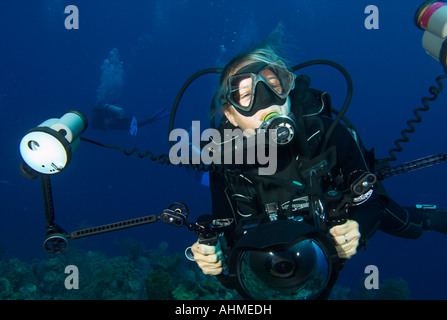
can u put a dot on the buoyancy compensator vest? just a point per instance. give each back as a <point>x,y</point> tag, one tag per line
<point>252,195</point>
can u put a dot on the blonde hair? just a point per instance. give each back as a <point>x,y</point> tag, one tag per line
<point>269,51</point>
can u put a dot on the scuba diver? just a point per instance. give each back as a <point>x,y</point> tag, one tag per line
<point>111,117</point>
<point>281,235</point>
<point>257,89</point>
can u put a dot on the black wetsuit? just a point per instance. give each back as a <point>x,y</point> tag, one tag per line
<point>377,212</point>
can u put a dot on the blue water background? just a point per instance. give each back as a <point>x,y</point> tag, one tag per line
<point>46,69</point>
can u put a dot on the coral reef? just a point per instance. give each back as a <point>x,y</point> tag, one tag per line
<point>100,277</point>
<point>159,286</point>
<point>390,289</point>
<point>135,275</point>
<point>138,274</point>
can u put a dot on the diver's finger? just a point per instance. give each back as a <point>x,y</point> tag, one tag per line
<point>211,271</point>
<point>209,258</point>
<point>344,228</point>
<point>213,264</point>
<point>340,240</point>
<point>353,235</point>
<point>203,249</point>
<point>346,252</point>
<point>210,268</point>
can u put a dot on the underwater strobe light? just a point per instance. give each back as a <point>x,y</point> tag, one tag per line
<point>48,148</point>
<point>432,17</point>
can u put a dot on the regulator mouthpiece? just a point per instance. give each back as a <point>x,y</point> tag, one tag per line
<point>48,148</point>
<point>281,127</point>
<point>269,115</point>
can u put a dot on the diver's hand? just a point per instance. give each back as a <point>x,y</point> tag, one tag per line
<point>346,237</point>
<point>209,258</point>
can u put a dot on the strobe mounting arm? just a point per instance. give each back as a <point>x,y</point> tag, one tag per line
<point>175,215</point>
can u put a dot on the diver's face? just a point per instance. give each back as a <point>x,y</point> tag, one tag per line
<point>257,105</point>
<point>250,124</point>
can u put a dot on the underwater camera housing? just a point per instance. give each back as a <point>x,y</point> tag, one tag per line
<point>283,260</point>
<point>431,17</point>
<point>287,257</point>
<point>48,147</point>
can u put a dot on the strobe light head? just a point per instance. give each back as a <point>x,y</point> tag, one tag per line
<point>431,17</point>
<point>48,147</point>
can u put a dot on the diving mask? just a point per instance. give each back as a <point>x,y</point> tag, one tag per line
<point>258,86</point>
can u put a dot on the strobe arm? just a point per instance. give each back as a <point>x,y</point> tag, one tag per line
<point>113,227</point>
<point>176,215</point>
